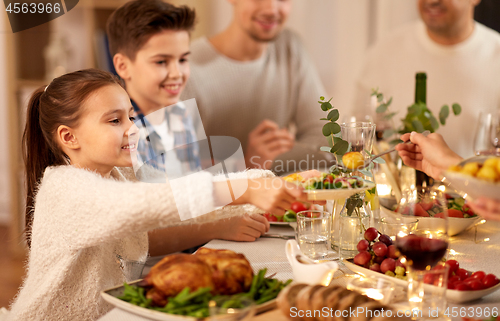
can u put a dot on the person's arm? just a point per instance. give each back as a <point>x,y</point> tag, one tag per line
<point>429,154</point>
<point>243,228</point>
<point>486,207</point>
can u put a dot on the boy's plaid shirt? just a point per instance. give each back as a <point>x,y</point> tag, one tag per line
<point>150,149</point>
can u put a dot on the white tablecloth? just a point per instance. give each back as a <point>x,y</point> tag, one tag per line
<point>468,248</point>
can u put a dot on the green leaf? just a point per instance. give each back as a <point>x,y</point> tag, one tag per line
<point>434,123</point>
<point>368,153</point>
<point>325,148</point>
<point>380,97</point>
<point>457,109</point>
<point>340,147</point>
<point>326,106</point>
<point>389,102</point>
<point>333,115</point>
<point>331,128</point>
<point>395,141</point>
<point>443,114</point>
<point>389,116</point>
<point>322,97</point>
<point>417,124</point>
<point>379,160</point>
<point>382,108</point>
<point>323,119</point>
<point>366,173</point>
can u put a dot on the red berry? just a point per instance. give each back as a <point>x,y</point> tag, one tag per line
<point>392,251</point>
<point>462,274</point>
<point>385,239</point>
<point>475,285</point>
<point>398,263</point>
<point>388,265</point>
<point>380,249</point>
<point>490,280</point>
<point>362,258</point>
<point>453,264</point>
<point>478,275</point>
<point>429,278</point>
<point>371,234</point>
<point>460,286</point>
<point>363,245</point>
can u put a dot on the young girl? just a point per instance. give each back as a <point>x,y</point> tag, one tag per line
<point>82,210</point>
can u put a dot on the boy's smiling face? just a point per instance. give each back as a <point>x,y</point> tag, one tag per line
<point>158,75</point>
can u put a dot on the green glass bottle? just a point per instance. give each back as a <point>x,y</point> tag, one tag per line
<point>421,97</point>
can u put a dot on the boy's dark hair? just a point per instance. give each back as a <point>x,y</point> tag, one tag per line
<point>130,26</point>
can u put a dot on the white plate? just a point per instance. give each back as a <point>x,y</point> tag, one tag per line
<point>334,194</point>
<point>456,225</point>
<point>451,295</point>
<point>280,223</point>
<point>472,186</point>
<point>111,296</point>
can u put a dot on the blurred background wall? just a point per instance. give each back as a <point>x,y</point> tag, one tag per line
<point>336,33</point>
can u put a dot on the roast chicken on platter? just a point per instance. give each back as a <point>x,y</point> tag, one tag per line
<point>225,271</point>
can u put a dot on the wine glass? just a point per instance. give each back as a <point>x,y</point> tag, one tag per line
<point>424,247</point>
<point>487,137</point>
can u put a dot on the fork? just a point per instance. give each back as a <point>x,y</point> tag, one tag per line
<point>371,159</point>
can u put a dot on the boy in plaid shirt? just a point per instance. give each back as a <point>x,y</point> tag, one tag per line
<point>149,41</point>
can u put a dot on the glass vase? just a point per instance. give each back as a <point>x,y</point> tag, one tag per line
<point>354,219</point>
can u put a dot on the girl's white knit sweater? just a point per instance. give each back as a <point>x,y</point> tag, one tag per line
<point>81,222</point>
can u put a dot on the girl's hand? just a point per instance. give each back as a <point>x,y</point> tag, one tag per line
<point>243,228</point>
<point>487,208</point>
<point>429,154</point>
<point>273,195</point>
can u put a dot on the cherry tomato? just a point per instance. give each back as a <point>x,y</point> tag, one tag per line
<point>462,274</point>
<point>478,275</point>
<point>460,286</point>
<point>328,178</point>
<point>429,278</point>
<point>476,285</point>
<point>490,280</point>
<point>266,215</point>
<point>272,218</point>
<point>453,264</point>
<point>298,207</point>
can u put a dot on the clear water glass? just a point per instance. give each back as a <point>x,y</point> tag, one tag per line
<point>487,137</point>
<point>313,233</point>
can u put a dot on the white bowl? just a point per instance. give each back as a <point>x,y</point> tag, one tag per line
<point>472,186</point>
<point>451,295</point>
<point>456,225</point>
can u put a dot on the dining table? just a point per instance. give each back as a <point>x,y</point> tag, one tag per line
<point>477,248</point>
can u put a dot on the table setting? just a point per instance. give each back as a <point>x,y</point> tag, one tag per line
<point>382,242</point>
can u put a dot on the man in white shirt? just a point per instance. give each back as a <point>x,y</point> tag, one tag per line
<point>254,81</point>
<point>460,56</point>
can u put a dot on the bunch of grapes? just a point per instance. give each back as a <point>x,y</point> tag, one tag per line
<point>379,255</point>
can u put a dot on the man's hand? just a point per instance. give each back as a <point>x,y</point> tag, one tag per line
<point>429,154</point>
<point>265,143</point>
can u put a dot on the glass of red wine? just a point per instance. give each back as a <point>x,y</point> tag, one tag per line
<point>424,247</point>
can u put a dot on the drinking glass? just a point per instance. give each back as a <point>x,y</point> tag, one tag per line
<point>427,293</point>
<point>487,138</point>
<point>132,270</point>
<point>360,135</point>
<point>425,246</point>
<point>313,233</point>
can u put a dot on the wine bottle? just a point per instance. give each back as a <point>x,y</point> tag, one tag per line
<point>421,87</point>
<point>421,97</point>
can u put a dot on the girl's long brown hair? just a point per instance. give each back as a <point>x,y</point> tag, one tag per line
<point>49,107</point>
